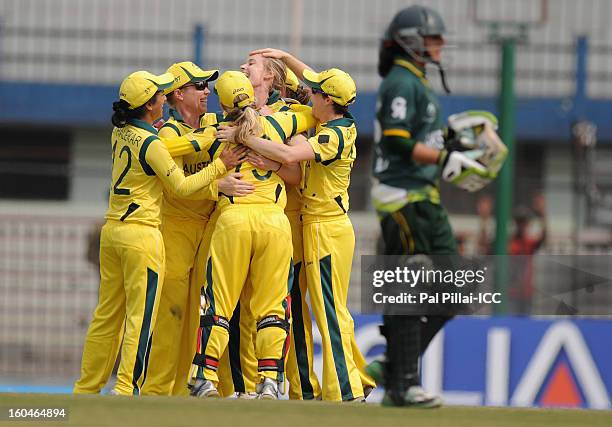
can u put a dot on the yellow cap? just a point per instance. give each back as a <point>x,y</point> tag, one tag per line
<point>335,83</point>
<point>230,85</point>
<point>139,87</point>
<point>291,80</point>
<point>188,72</point>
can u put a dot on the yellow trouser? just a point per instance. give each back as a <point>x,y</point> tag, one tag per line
<point>131,278</point>
<point>199,276</point>
<point>250,240</point>
<point>303,382</point>
<point>178,318</point>
<point>241,347</point>
<point>328,254</point>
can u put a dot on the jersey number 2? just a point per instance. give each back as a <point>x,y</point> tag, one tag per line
<point>116,189</point>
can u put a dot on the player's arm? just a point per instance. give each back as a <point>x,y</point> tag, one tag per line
<point>169,131</point>
<point>287,125</point>
<point>290,173</point>
<point>198,140</point>
<point>300,150</point>
<point>156,160</point>
<point>230,185</point>
<point>400,124</point>
<point>290,123</point>
<point>290,61</point>
<point>304,117</point>
<point>398,117</point>
<point>210,192</point>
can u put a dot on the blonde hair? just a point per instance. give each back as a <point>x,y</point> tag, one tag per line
<point>278,70</point>
<point>245,119</point>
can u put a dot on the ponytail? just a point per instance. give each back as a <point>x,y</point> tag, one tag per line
<point>123,113</point>
<point>247,123</point>
<point>387,52</point>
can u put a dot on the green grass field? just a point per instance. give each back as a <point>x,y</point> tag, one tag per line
<point>159,411</point>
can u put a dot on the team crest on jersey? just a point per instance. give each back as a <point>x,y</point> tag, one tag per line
<point>430,113</point>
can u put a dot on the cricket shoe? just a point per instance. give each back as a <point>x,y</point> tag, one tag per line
<point>204,388</point>
<point>268,389</point>
<point>415,397</point>
<point>249,395</point>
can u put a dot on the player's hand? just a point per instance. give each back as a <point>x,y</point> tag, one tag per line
<point>231,185</point>
<point>270,53</point>
<point>233,157</point>
<point>226,133</point>
<point>261,162</point>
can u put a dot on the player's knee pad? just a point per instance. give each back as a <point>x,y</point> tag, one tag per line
<point>214,320</point>
<point>277,365</point>
<point>204,360</point>
<point>273,322</point>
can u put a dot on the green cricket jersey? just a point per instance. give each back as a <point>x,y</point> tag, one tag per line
<point>408,111</point>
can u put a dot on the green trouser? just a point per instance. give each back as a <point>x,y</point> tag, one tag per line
<point>418,228</point>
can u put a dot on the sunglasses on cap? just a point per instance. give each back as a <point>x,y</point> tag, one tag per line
<point>315,91</point>
<point>197,85</point>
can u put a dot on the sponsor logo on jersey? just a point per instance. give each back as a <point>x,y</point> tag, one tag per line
<point>190,169</point>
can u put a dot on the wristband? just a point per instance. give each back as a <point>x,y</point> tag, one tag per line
<point>442,157</point>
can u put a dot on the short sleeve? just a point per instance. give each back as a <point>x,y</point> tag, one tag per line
<point>327,145</point>
<point>398,111</point>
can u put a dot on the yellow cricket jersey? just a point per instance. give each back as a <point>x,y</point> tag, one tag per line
<point>276,102</point>
<point>294,198</point>
<point>269,187</point>
<point>327,177</point>
<point>142,166</point>
<point>191,163</point>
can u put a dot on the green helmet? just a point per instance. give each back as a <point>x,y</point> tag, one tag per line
<point>409,27</point>
<point>407,32</point>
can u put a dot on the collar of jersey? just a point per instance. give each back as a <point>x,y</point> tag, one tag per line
<point>175,115</point>
<point>142,125</point>
<point>179,118</point>
<point>273,97</point>
<point>412,68</point>
<point>345,121</point>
